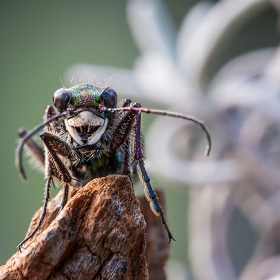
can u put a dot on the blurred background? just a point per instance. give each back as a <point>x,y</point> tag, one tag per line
<point>216,60</point>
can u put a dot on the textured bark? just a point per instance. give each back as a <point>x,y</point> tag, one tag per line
<point>100,234</point>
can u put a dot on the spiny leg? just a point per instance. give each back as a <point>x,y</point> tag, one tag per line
<point>54,167</point>
<point>35,151</point>
<point>149,191</point>
<point>126,159</point>
<point>46,199</point>
<point>152,198</point>
<point>47,138</point>
<point>133,120</point>
<point>26,138</point>
<point>60,170</point>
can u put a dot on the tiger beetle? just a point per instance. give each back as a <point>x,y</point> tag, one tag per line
<point>89,134</point>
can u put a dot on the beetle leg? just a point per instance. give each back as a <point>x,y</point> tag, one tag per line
<point>149,191</point>
<point>54,167</point>
<point>53,148</point>
<point>126,160</point>
<point>58,168</point>
<point>132,120</point>
<point>34,150</point>
<point>27,137</point>
<point>123,130</point>
<point>46,199</point>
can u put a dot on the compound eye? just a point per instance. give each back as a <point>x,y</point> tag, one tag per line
<point>109,98</point>
<point>60,99</point>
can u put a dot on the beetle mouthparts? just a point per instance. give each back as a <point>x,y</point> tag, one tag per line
<point>86,128</point>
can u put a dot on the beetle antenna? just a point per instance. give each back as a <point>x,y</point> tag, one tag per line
<point>169,114</point>
<point>28,135</point>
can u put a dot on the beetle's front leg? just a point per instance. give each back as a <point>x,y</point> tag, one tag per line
<point>53,167</point>
<point>34,150</point>
<point>58,168</point>
<point>46,199</point>
<point>132,120</point>
<point>50,141</point>
<point>149,191</point>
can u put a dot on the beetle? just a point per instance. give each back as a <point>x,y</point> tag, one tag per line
<point>87,134</point>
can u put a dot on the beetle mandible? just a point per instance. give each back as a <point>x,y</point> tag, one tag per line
<point>88,134</point>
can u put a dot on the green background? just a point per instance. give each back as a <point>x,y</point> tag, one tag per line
<point>39,40</point>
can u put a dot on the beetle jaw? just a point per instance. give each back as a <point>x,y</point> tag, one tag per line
<point>86,127</point>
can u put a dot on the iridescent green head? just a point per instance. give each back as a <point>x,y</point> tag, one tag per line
<point>84,95</point>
